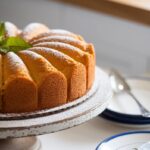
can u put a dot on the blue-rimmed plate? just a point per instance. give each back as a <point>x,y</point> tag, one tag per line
<point>125,141</point>
<point>124,110</point>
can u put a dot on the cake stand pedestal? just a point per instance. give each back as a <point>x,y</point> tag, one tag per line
<point>19,131</point>
<point>24,143</point>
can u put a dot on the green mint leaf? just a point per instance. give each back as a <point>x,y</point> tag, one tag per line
<point>2,32</point>
<point>1,40</point>
<point>2,29</point>
<point>3,50</point>
<point>15,44</point>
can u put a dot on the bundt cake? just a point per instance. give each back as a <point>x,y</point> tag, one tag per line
<point>55,68</point>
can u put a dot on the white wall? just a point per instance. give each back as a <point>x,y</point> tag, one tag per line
<point>119,43</point>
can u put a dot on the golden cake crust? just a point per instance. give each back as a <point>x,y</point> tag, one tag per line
<point>74,72</point>
<point>59,68</point>
<point>80,56</point>
<point>20,93</point>
<point>51,84</point>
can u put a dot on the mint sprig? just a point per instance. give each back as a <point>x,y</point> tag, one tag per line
<point>2,32</point>
<point>2,28</point>
<point>14,44</point>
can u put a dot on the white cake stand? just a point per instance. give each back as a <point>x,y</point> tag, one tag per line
<point>18,131</point>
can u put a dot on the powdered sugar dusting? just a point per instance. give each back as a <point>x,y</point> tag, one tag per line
<point>54,32</point>
<point>36,57</point>
<point>32,55</point>
<point>15,64</point>
<point>56,54</point>
<point>15,61</point>
<point>61,46</point>
<point>64,39</point>
<point>54,38</point>
<point>33,30</point>
<point>67,33</point>
<point>39,63</point>
<point>11,29</point>
<point>34,26</point>
<point>61,31</point>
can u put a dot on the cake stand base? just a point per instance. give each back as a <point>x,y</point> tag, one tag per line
<point>26,143</point>
<point>19,131</point>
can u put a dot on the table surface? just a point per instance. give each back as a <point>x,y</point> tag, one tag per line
<point>83,137</point>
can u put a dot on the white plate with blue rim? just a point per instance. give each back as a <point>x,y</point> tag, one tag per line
<point>133,140</point>
<point>123,109</point>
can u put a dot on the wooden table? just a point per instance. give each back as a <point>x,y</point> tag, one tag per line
<point>136,10</point>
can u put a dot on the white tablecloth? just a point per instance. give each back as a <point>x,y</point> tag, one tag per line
<point>83,137</point>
